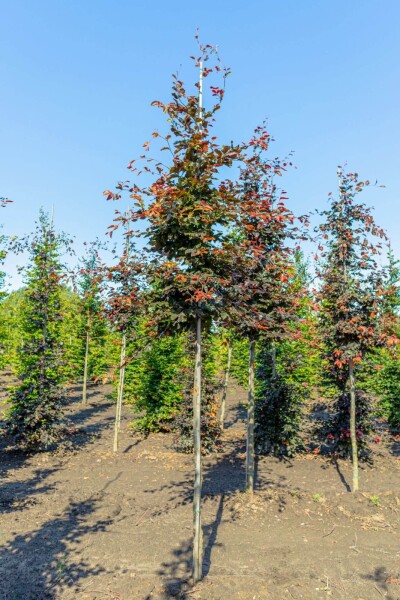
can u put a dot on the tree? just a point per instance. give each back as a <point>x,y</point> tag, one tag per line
<point>12,310</point>
<point>155,377</point>
<point>71,333</point>
<point>261,299</point>
<point>35,415</point>
<point>352,294</point>
<point>94,332</point>
<point>124,307</point>
<point>187,211</point>
<point>287,370</point>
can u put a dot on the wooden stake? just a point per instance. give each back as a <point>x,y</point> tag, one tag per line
<point>118,408</point>
<point>120,392</point>
<point>197,530</point>
<point>250,422</point>
<point>353,432</point>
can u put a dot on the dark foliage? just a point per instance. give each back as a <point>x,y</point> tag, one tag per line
<point>278,416</point>
<point>337,432</point>
<point>35,416</point>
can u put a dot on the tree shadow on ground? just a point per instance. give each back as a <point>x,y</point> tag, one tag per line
<point>19,494</point>
<point>223,479</point>
<point>380,579</point>
<point>177,572</point>
<point>36,565</point>
<point>341,476</point>
<point>234,415</point>
<point>15,495</point>
<point>84,432</point>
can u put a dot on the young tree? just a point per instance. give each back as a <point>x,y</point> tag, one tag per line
<point>287,371</point>
<point>94,332</point>
<point>262,302</point>
<point>124,307</point>
<point>71,333</point>
<point>187,212</point>
<point>352,294</point>
<point>35,416</point>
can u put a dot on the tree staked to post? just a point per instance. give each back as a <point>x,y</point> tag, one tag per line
<point>352,295</point>
<point>187,210</point>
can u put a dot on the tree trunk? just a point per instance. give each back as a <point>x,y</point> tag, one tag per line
<point>353,433</point>
<point>118,408</point>
<point>85,370</point>
<point>225,388</point>
<point>250,422</point>
<point>197,530</point>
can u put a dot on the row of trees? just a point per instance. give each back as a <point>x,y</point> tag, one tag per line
<point>219,272</point>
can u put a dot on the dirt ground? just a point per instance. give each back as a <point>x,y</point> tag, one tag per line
<point>89,524</point>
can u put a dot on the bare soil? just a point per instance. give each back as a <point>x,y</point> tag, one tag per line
<point>89,524</point>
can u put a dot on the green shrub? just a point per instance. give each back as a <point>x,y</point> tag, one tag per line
<point>154,382</point>
<point>278,416</point>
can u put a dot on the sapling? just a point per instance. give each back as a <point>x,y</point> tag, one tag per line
<point>187,210</point>
<point>35,417</point>
<point>352,294</point>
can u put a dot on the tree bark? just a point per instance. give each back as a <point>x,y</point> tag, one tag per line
<point>85,370</point>
<point>197,530</point>
<point>118,408</point>
<point>353,432</point>
<point>250,422</point>
<point>225,388</point>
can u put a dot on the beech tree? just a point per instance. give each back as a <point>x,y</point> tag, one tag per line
<point>261,301</point>
<point>35,416</point>
<point>352,293</point>
<point>187,209</point>
<point>124,306</point>
<point>90,283</point>
<point>287,371</point>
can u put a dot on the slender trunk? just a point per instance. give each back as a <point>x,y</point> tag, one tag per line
<point>225,388</point>
<point>273,360</point>
<point>250,422</point>
<point>118,408</point>
<point>85,369</point>
<point>353,433</point>
<point>197,530</point>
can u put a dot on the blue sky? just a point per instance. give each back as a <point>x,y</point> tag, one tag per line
<point>77,79</point>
